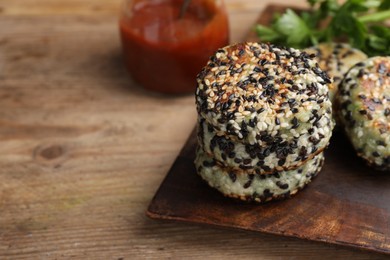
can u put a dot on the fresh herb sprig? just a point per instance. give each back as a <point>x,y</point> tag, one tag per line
<point>361,22</point>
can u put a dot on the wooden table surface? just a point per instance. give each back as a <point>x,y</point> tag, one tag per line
<point>83,148</point>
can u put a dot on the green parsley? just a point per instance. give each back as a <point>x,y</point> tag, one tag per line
<point>361,22</point>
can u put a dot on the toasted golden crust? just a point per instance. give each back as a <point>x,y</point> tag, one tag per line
<point>250,89</point>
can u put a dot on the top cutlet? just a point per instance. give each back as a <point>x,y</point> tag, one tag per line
<point>252,78</point>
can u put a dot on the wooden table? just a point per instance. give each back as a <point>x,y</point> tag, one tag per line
<point>83,149</point>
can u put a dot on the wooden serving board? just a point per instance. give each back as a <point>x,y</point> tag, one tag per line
<point>347,204</point>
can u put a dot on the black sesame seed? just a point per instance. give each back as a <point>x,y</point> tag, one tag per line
<point>260,163</point>
<point>387,112</point>
<point>245,167</point>
<point>253,155</point>
<point>247,161</point>
<point>291,101</point>
<point>233,176</point>
<point>371,108</point>
<point>209,163</point>
<point>256,197</point>
<point>361,73</point>
<point>294,122</point>
<point>231,154</point>
<point>314,140</point>
<point>382,68</point>
<point>281,185</point>
<point>348,80</point>
<point>281,162</point>
<point>267,193</point>
<point>237,160</point>
<point>316,70</point>
<point>263,62</point>
<point>257,69</point>
<point>266,168</point>
<point>380,142</point>
<point>249,182</point>
<point>346,54</point>
<point>303,151</point>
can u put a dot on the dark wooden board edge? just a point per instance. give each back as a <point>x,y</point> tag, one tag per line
<point>186,154</point>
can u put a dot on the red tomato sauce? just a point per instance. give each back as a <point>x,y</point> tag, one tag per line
<point>165,53</point>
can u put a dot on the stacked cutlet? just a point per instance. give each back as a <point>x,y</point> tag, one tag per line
<point>364,101</point>
<point>264,120</point>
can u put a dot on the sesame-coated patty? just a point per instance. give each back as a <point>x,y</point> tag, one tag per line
<point>250,186</point>
<point>336,59</point>
<point>364,101</point>
<point>268,154</point>
<point>251,89</point>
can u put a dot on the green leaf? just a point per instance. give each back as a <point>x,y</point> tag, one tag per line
<point>358,33</point>
<point>309,19</point>
<point>313,2</point>
<point>328,7</point>
<point>372,3</point>
<point>354,6</point>
<point>361,22</point>
<point>385,5</point>
<point>345,23</point>
<point>375,17</point>
<point>294,28</point>
<point>267,34</point>
<point>381,30</point>
<point>377,43</point>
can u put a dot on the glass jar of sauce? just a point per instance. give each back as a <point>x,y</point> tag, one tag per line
<point>164,51</point>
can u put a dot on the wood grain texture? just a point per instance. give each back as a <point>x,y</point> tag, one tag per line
<point>83,148</point>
